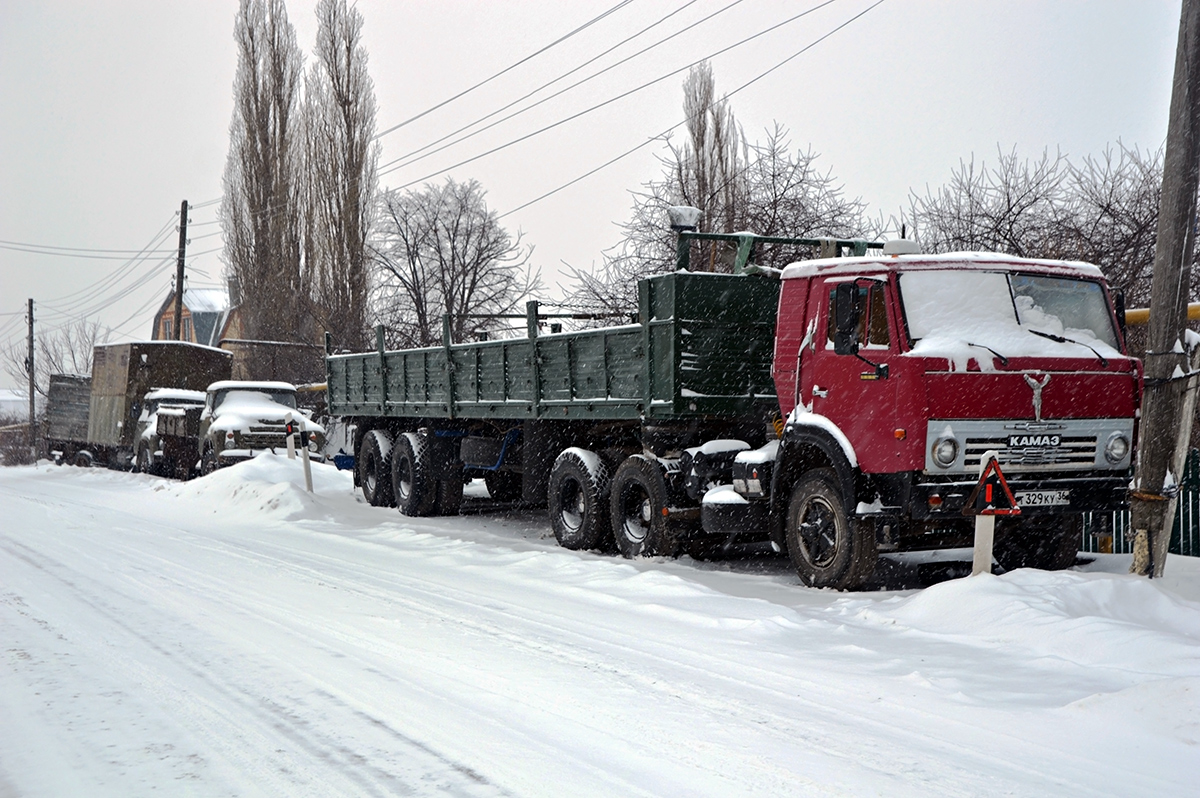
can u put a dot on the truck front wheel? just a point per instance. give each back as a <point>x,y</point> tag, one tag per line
<point>639,510</point>
<point>208,461</point>
<point>577,497</point>
<point>828,547</point>
<point>375,469</point>
<point>145,461</point>
<point>416,491</point>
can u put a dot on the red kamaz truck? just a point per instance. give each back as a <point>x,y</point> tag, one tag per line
<point>838,409</point>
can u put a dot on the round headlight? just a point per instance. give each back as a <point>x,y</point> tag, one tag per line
<point>1117,448</point>
<point>945,452</point>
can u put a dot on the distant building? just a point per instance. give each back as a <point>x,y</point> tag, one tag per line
<point>205,318</point>
<point>209,318</point>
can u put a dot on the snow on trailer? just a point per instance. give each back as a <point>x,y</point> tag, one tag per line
<point>868,386</point>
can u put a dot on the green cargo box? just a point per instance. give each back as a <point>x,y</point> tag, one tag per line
<point>703,347</point>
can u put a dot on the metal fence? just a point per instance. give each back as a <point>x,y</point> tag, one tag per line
<point>1185,534</point>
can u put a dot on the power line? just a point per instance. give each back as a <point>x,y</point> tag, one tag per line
<point>620,96</point>
<point>661,135</point>
<point>76,253</point>
<point>113,277</point>
<point>509,68</point>
<point>555,80</point>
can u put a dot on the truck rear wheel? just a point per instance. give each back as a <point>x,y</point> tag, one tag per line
<point>449,495</point>
<point>83,459</point>
<point>415,490</point>
<point>639,510</point>
<point>375,469</point>
<point>1049,542</point>
<point>828,547</point>
<point>577,498</point>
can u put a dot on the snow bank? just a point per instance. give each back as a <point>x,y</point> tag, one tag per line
<point>1085,633</point>
<point>269,485</point>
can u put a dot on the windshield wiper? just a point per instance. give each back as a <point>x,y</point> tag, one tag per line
<point>1002,358</point>
<point>1060,339</point>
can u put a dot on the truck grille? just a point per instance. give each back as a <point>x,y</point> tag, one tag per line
<point>1071,444</point>
<point>264,438</point>
<point>1077,452</point>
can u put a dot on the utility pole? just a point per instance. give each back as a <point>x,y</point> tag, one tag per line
<point>32,384</point>
<point>1163,429</point>
<point>183,214</point>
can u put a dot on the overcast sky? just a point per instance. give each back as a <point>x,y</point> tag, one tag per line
<point>114,112</point>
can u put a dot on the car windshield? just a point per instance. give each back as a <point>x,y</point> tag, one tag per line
<point>985,316</point>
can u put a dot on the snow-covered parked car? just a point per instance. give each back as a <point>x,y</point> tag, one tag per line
<point>241,419</point>
<point>149,456</point>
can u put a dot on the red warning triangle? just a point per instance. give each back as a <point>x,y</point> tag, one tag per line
<point>991,496</point>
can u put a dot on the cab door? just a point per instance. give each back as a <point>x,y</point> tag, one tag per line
<point>855,389</point>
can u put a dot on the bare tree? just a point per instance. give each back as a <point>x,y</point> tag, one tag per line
<point>60,350</point>
<point>780,193</point>
<point>1103,210</point>
<point>709,171</point>
<point>340,172</point>
<point>441,250</point>
<point>260,210</point>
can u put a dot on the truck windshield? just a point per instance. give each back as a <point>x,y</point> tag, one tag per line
<point>243,396</point>
<point>966,314</point>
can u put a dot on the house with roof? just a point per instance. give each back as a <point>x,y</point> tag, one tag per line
<point>206,318</point>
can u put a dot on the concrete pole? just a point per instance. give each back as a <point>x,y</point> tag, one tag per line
<point>1161,423</point>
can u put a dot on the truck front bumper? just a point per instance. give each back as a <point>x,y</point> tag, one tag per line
<point>933,500</point>
<point>230,456</point>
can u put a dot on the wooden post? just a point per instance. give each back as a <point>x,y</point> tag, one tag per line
<point>1161,423</point>
<point>183,209</point>
<point>32,390</point>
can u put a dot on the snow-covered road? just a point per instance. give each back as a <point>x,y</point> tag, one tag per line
<point>237,636</point>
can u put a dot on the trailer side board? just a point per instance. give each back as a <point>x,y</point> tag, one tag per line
<point>703,347</point>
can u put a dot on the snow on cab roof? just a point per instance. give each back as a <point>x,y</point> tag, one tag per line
<point>249,385</point>
<point>175,393</point>
<point>956,260</point>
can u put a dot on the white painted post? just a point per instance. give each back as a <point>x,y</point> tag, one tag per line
<point>304,457</point>
<point>985,527</point>
<point>291,439</point>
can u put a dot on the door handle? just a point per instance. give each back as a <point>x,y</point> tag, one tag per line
<point>816,391</point>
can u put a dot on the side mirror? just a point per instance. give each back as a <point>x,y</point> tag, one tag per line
<point>1119,306</point>
<point>845,319</point>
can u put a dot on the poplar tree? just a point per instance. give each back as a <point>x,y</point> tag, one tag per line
<point>340,168</point>
<point>260,209</point>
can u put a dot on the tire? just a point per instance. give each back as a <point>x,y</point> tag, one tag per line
<point>638,504</point>
<point>577,500</point>
<point>83,459</point>
<point>827,547</point>
<point>503,486</point>
<point>1049,543</point>
<point>449,496</point>
<point>415,491</point>
<point>208,461</point>
<point>145,462</point>
<point>375,469</point>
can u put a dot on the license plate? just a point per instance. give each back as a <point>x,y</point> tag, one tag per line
<point>1043,498</point>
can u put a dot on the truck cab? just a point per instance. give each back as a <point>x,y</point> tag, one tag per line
<point>243,418</point>
<point>896,373</point>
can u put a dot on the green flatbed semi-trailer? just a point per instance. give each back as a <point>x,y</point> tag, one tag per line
<point>560,418</point>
